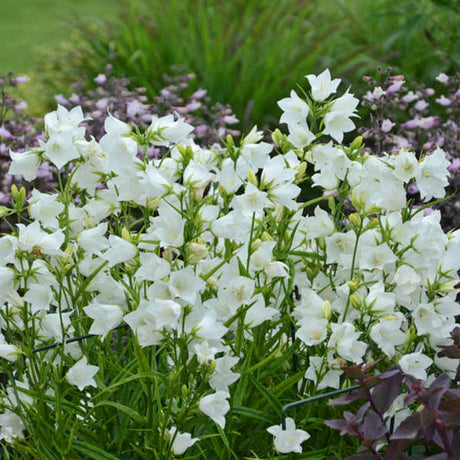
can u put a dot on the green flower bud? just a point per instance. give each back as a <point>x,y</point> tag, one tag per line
<point>256,244</point>
<point>252,178</point>
<point>301,170</point>
<point>266,236</point>
<point>355,219</point>
<point>357,142</point>
<point>355,301</point>
<point>327,309</point>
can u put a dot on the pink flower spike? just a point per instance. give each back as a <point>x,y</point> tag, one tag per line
<point>412,189</point>
<point>443,100</point>
<point>22,79</point>
<point>421,105</point>
<point>442,78</point>
<point>454,165</point>
<point>5,133</point>
<point>387,125</point>
<point>100,79</point>
<point>395,87</point>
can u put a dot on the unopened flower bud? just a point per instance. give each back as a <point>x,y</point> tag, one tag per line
<point>277,137</point>
<point>14,192</point>
<point>353,285</point>
<point>4,211</point>
<point>181,149</point>
<point>321,242</point>
<point>252,178</point>
<point>358,202</point>
<point>411,336</point>
<point>390,317</point>
<point>184,390</point>
<point>357,142</point>
<point>153,203</point>
<point>212,366</point>
<point>355,219</point>
<point>373,209</point>
<point>22,194</point>
<point>125,234</point>
<point>310,273</point>
<point>327,309</point>
<point>266,236</point>
<point>213,282</point>
<point>331,203</point>
<point>256,244</point>
<point>69,250</point>
<point>279,212</point>
<point>301,170</point>
<point>230,141</point>
<point>355,301</point>
<point>448,286</point>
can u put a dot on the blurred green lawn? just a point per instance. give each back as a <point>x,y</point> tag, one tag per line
<point>27,25</point>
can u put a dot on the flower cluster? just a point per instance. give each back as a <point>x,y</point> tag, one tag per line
<point>213,272</point>
<point>418,119</point>
<point>112,95</point>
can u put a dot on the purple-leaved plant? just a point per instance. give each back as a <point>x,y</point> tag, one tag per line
<point>402,417</point>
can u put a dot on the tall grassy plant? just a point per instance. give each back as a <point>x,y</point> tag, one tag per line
<point>245,52</point>
<point>418,38</point>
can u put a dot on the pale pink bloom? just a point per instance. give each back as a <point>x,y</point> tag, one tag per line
<point>442,78</point>
<point>387,125</point>
<point>443,100</point>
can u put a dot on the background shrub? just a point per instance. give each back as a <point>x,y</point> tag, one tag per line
<point>248,52</point>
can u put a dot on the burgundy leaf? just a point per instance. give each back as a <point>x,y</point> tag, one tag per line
<point>386,392</point>
<point>456,443</point>
<point>359,371</point>
<point>373,428</point>
<point>341,425</point>
<point>409,428</point>
<point>443,438</point>
<point>396,450</point>
<point>452,352</point>
<point>394,370</point>
<point>455,334</point>
<point>437,390</point>
<point>428,421</point>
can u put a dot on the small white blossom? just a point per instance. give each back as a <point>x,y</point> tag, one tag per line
<point>181,441</point>
<point>81,374</point>
<point>215,406</point>
<point>290,439</point>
